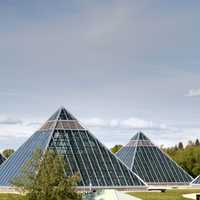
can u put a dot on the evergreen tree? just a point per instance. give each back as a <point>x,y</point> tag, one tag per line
<point>197,143</point>
<point>180,145</point>
<point>176,148</point>
<point>44,178</point>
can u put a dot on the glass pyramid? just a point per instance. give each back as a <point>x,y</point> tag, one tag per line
<point>97,166</point>
<point>151,164</point>
<point>196,181</point>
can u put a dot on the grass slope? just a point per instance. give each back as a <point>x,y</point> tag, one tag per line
<point>168,195</point>
<point>11,197</point>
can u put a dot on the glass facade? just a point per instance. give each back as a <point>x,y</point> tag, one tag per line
<point>150,163</point>
<point>85,155</point>
<point>2,159</point>
<point>12,166</point>
<point>196,181</point>
<point>95,163</point>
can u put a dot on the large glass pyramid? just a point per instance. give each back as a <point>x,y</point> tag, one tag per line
<point>151,164</point>
<point>97,166</point>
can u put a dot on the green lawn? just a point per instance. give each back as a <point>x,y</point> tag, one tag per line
<point>10,197</point>
<point>168,195</point>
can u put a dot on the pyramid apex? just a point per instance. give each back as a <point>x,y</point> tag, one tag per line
<point>140,133</point>
<point>140,136</point>
<point>62,114</point>
<point>62,107</point>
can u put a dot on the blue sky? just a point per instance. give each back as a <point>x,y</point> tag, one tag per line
<point>119,66</point>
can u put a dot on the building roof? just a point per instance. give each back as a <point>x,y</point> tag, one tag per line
<point>83,152</point>
<point>152,164</point>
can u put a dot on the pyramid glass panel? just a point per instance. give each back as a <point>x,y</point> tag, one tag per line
<point>54,116</point>
<point>83,153</point>
<point>2,159</point>
<point>151,164</point>
<point>196,181</point>
<point>13,165</point>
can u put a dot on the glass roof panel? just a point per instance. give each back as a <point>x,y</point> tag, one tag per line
<point>13,165</point>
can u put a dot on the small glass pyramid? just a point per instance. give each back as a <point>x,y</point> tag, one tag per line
<point>150,163</point>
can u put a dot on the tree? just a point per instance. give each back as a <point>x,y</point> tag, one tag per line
<point>116,148</point>
<point>188,158</point>
<point>176,148</point>
<point>46,177</point>
<point>8,152</point>
<point>197,143</point>
<point>162,146</point>
<point>190,143</point>
<point>180,145</point>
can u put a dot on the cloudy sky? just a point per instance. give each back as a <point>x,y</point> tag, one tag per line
<point>118,66</point>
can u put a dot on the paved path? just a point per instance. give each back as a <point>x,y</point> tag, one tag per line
<point>190,196</point>
<point>109,195</point>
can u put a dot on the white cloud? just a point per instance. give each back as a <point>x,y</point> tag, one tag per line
<point>114,122</point>
<point>15,131</point>
<point>193,93</point>
<point>12,128</point>
<point>110,131</point>
<point>34,123</point>
<point>95,122</point>
<point>10,121</point>
<point>136,123</point>
<point>130,123</point>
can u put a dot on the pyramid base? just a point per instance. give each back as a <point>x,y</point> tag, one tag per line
<point>172,184</point>
<point>164,187</point>
<point>119,188</point>
<point>13,190</point>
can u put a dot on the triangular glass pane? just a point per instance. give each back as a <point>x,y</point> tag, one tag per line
<point>65,115</point>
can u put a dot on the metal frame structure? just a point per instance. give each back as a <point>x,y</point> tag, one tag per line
<point>196,181</point>
<point>97,166</point>
<point>152,164</point>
